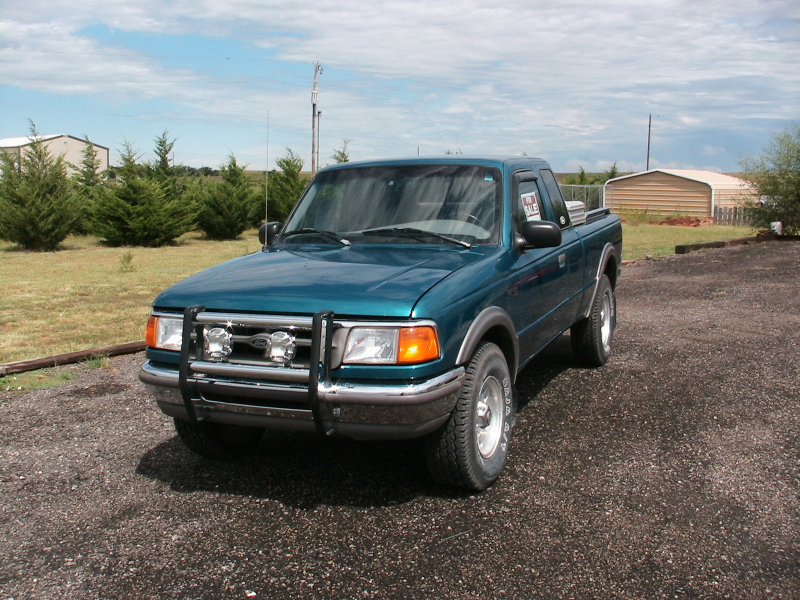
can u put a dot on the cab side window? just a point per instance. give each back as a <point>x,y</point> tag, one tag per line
<point>529,204</point>
<point>556,199</point>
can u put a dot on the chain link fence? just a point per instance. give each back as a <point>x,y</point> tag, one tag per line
<point>593,196</point>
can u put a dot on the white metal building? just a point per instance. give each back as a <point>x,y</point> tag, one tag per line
<point>70,147</point>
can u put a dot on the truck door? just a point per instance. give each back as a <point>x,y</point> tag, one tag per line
<point>541,296</point>
<point>571,245</point>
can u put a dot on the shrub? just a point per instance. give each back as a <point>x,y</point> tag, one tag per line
<point>139,213</point>
<point>149,207</point>
<point>776,175</point>
<point>225,208</point>
<point>38,205</point>
<point>286,186</point>
<point>87,180</point>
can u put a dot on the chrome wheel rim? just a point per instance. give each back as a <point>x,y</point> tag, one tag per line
<point>489,417</point>
<point>606,320</point>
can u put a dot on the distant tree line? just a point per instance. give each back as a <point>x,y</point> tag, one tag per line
<point>584,178</point>
<point>138,203</point>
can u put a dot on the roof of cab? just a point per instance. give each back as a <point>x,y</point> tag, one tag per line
<point>508,162</point>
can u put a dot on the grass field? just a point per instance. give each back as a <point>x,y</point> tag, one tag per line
<point>642,239</point>
<point>88,295</point>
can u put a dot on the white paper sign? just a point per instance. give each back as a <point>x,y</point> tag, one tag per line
<point>531,204</point>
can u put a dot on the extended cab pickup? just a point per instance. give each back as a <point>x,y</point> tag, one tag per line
<point>400,299</point>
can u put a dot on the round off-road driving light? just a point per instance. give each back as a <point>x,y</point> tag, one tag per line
<point>282,348</point>
<point>217,343</point>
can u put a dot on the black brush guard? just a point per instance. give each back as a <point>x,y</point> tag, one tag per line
<point>321,341</point>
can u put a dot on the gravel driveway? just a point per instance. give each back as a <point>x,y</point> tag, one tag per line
<point>672,472</point>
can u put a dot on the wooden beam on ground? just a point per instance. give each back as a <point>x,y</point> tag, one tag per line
<point>71,357</point>
<point>761,237</point>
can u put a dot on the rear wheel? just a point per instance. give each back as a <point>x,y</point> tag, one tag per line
<point>470,450</point>
<point>217,441</point>
<point>592,336</point>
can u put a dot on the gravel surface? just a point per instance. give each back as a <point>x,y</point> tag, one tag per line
<point>672,472</point>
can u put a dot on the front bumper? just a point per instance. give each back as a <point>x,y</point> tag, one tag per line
<point>353,409</point>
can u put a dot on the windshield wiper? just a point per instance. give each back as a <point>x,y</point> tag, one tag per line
<point>326,234</point>
<point>417,233</point>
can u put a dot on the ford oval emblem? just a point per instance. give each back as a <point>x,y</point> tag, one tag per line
<point>261,341</point>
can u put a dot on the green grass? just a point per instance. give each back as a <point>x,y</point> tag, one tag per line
<point>642,239</point>
<point>35,380</point>
<point>89,295</point>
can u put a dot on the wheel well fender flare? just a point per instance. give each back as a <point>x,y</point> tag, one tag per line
<point>607,256</point>
<point>496,324</point>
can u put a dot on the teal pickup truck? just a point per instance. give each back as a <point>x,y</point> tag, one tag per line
<point>400,300</point>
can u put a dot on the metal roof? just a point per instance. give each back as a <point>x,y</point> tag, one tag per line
<point>19,142</point>
<point>710,177</point>
<point>15,142</point>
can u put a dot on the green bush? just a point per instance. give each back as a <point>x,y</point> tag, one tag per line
<point>38,204</point>
<point>285,186</point>
<point>776,175</point>
<point>88,179</point>
<point>150,207</point>
<point>225,208</point>
<point>139,212</point>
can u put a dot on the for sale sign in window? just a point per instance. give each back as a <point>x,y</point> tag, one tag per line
<point>530,202</point>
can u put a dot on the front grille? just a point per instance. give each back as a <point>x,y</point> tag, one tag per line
<point>251,337</point>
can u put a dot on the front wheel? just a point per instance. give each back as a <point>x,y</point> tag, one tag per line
<point>470,450</point>
<point>592,336</point>
<point>217,441</point>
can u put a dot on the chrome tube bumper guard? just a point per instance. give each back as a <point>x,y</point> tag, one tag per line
<point>332,403</point>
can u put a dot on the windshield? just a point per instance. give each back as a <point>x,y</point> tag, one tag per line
<point>431,204</point>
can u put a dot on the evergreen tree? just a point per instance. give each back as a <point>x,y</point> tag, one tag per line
<point>161,168</point>
<point>130,167</point>
<point>342,155</point>
<point>88,178</point>
<point>286,186</point>
<point>149,207</point>
<point>139,213</point>
<point>89,174</point>
<point>225,207</point>
<point>612,173</point>
<point>38,205</point>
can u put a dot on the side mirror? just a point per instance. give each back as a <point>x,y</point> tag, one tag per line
<point>268,231</point>
<point>541,234</point>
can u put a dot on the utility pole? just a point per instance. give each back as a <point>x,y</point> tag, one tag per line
<point>266,179</point>
<point>314,118</point>
<point>649,126</point>
<point>319,126</point>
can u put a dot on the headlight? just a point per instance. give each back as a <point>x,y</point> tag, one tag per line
<point>391,345</point>
<point>165,332</point>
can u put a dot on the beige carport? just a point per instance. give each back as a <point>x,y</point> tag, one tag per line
<point>677,192</point>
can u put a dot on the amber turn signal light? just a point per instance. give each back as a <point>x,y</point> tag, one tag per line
<point>417,345</point>
<point>152,328</point>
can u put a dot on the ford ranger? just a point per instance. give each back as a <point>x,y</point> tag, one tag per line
<point>400,299</point>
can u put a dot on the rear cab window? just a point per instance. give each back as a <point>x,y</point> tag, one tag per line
<point>556,199</point>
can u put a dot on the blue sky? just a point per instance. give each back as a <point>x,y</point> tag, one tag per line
<point>572,82</point>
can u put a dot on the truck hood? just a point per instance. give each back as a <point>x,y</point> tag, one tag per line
<point>363,280</point>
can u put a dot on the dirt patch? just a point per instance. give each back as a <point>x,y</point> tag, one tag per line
<point>672,472</point>
<point>688,221</point>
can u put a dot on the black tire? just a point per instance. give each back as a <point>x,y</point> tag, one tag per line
<point>217,441</point>
<point>470,450</point>
<point>592,337</point>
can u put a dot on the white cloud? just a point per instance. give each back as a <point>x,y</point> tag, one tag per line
<point>577,77</point>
